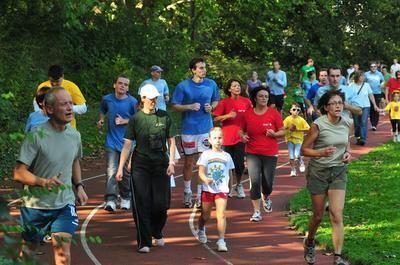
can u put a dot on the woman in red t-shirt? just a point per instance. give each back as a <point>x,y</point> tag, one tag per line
<point>392,85</point>
<point>230,112</point>
<point>260,129</point>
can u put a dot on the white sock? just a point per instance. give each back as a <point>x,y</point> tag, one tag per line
<point>188,187</point>
<point>199,190</point>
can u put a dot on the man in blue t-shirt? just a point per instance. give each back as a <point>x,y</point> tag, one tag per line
<point>119,106</point>
<point>276,81</point>
<point>196,98</point>
<point>161,86</point>
<point>374,78</point>
<point>309,98</point>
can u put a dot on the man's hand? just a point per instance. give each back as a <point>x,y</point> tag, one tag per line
<point>207,108</point>
<point>81,196</point>
<point>194,106</point>
<point>119,175</point>
<point>346,157</point>
<point>119,120</point>
<point>54,181</point>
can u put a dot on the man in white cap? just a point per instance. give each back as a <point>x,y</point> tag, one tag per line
<point>160,84</point>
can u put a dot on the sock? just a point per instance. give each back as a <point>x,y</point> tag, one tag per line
<point>221,239</point>
<point>188,187</point>
<point>199,190</point>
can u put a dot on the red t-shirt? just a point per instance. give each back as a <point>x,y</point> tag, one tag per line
<point>392,84</point>
<point>230,127</point>
<point>256,127</point>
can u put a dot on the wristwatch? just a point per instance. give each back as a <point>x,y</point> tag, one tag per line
<point>80,184</point>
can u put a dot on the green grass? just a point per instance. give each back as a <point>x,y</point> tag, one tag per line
<point>371,216</point>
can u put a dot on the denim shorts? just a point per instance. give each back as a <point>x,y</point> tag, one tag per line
<point>37,223</point>
<point>322,179</point>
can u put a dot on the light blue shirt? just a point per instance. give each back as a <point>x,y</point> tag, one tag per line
<point>361,99</point>
<point>277,87</point>
<point>374,80</point>
<point>35,118</point>
<point>349,94</point>
<point>162,88</point>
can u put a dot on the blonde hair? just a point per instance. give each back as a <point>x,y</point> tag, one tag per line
<point>214,129</point>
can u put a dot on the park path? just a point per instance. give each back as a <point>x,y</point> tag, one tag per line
<point>269,242</point>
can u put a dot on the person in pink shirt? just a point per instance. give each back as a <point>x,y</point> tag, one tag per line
<point>230,112</point>
<point>260,129</point>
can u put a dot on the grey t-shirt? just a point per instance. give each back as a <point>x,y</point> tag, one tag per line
<point>48,152</point>
<point>330,134</point>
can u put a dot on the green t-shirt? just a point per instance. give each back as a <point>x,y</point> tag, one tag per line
<point>330,134</point>
<point>151,132</point>
<point>304,70</point>
<point>48,152</point>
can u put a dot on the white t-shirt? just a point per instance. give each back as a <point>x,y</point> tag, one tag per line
<point>217,165</point>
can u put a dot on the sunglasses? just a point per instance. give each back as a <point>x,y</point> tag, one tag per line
<point>295,109</point>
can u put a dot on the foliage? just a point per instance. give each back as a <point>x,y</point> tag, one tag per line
<point>371,215</point>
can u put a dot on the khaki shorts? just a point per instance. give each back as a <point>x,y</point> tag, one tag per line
<point>322,179</point>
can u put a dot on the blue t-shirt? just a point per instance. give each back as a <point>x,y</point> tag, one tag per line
<point>277,87</point>
<point>123,107</point>
<point>35,118</point>
<point>162,88</point>
<point>189,92</point>
<point>374,80</point>
<point>312,92</point>
<point>362,98</point>
<point>307,84</point>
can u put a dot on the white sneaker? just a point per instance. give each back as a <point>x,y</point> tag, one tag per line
<point>187,199</point>
<point>398,138</point>
<point>125,204</point>
<point>267,204</point>
<point>256,217</point>
<point>302,166</point>
<point>159,242</point>
<point>233,192</point>
<point>110,206</point>
<point>201,236</point>
<point>240,191</point>
<point>395,138</point>
<point>144,250</point>
<point>293,173</point>
<point>221,245</point>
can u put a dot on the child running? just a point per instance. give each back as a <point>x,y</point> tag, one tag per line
<point>295,126</point>
<point>394,109</point>
<point>215,167</point>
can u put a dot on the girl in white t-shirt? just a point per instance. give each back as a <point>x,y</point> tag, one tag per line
<point>215,170</point>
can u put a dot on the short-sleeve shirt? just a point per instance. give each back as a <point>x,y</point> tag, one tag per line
<point>231,127</point>
<point>162,88</point>
<point>304,71</point>
<point>47,153</point>
<point>330,134</point>
<point>189,92</point>
<point>295,137</point>
<point>392,85</point>
<point>35,118</point>
<point>217,165</point>
<point>374,80</point>
<point>362,98</point>
<point>277,82</point>
<point>73,90</point>
<point>256,126</point>
<point>394,108</point>
<point>312,92</point>
<point>113,106</point>
<point>253,84</point>
<point>142,126</point>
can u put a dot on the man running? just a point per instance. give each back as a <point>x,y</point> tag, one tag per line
<point>277,82</point>
<point>160,84</point>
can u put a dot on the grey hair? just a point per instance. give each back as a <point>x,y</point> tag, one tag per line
<point>50,99</point>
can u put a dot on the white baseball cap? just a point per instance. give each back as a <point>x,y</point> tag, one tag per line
<point>149,91</point>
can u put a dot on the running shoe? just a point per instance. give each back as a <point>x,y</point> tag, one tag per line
<point>201,236</point>
<point>293,173</point>
<point>198,201</point>
<point>233,191</point>
<point>221,246</point>
<point>125,204</point>
<point>187,199</point>
<point>309,252</point>
<point>240,191</point>
<point>159,242</point>
<point>267,204</point>
<point>110,206</point>
<point>340,261</point>
<point>256,217</point>
<point>374,128</point>
<point>144,250</point>
<point>302,166</point>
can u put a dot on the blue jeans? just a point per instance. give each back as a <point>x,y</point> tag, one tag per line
<point>294,150</point>
<point>361,124</point>
<point>113,187</point>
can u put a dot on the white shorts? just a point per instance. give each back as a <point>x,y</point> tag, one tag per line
<point>193,144</point>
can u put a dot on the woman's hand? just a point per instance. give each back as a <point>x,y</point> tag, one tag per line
<point>245,138</point>
<point>346,157</point>
<point>328,151</point>
<point>170,170</point>
<point>119,174</point>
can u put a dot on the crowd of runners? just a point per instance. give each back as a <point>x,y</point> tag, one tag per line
<point>226,139</point>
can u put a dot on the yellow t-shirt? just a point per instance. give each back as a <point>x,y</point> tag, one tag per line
<point>295,137</point>
<point>73,90</point>
<point>394,108</point>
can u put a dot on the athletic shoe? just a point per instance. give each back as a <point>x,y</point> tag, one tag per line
<point>398,138</point>
<point>256,217</point>
<point>293,173</point>
<point>198,201</point>
<point>187,199</point>
<point>340,261</point>
<point>309,252</point>
<point>240,191</point>
<point>302,166</point>
<point>125,204</point>
<point>373,128</point>
<point>221,245</point>
<point>47,238</point>
<point>159,242</point>
<point>201,236</point>
<point>233,192</point>
<point>144,250</point>
<point>110,206</point>
<point>395,138</point>
<point>267,204</point>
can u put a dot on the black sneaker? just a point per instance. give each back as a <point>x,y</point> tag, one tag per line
<point>309,252</point>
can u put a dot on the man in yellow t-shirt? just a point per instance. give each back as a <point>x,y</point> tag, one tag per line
<point>56,78</point>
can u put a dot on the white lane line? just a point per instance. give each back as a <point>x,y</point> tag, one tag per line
<point>194,230</point>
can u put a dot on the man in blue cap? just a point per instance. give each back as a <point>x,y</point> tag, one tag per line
<point>160,84</point>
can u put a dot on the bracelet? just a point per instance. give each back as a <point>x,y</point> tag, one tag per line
<point>171,163</point>
<point>80,184</point>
